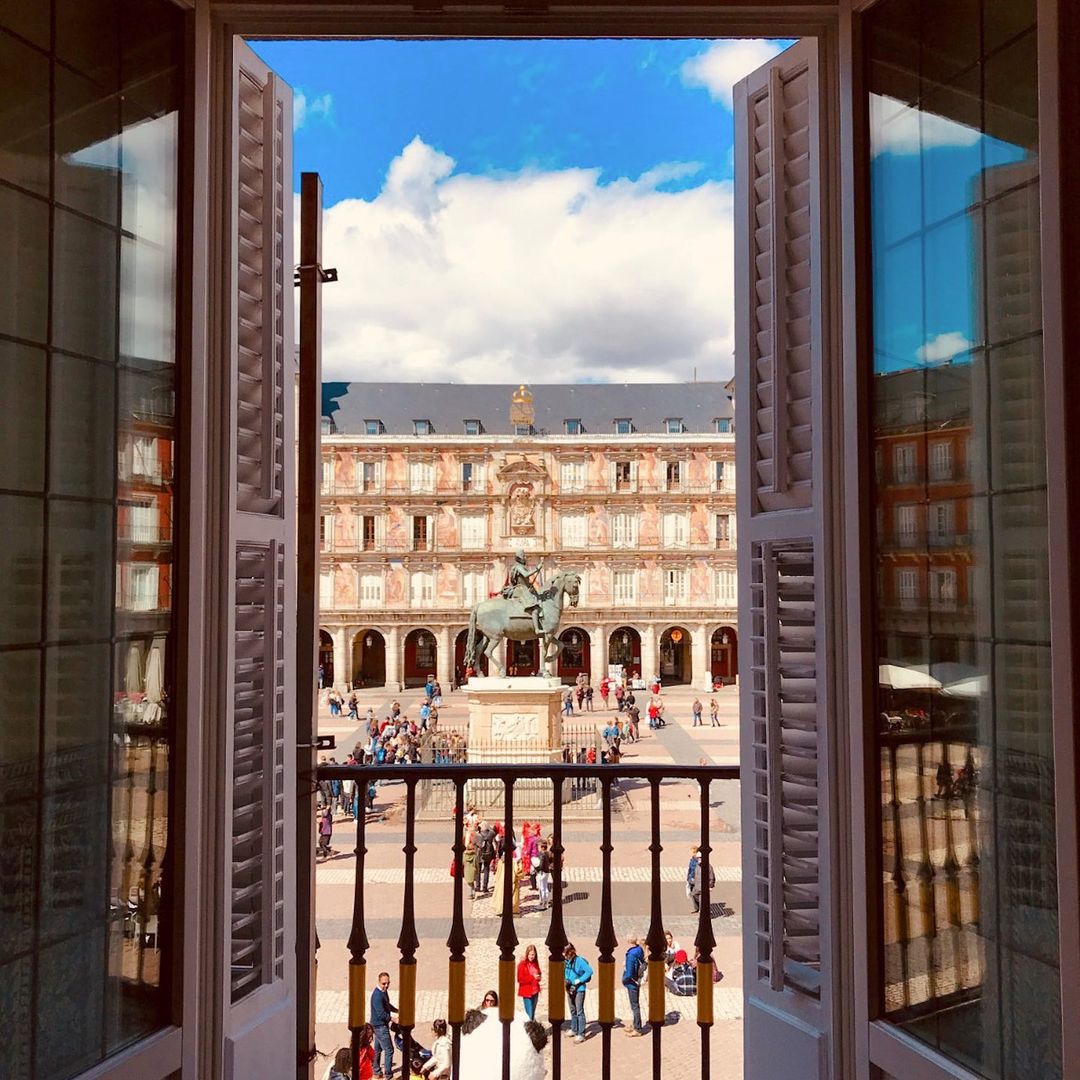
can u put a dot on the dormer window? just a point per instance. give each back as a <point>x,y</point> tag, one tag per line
<point>573,427</point>
<point>524,429</point>
<point>421,427</point>
<point>674,425</point>
<point>473,427</point>
<point>723,426</point>
<point>373,427</point>
<point>624,425</point>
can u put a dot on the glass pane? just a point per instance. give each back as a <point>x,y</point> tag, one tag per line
<point>87,456</point>
<point>24,116</point>
<point>969,945</point>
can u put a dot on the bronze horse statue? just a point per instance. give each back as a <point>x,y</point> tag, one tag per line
<point>493,620</point>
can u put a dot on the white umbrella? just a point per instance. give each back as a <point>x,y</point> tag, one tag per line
<point>155,681</point>
<point>897,677</point>
<point>133,683</point>
<point>973,687</point>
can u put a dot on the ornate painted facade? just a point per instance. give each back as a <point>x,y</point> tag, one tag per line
<point>419,524</point>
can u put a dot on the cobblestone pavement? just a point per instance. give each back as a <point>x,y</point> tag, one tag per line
<point>679,743</point>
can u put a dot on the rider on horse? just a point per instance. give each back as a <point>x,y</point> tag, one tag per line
<point>520,584</point>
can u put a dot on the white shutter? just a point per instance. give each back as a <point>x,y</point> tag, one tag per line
<point>782,567</point>
<point>260,825</point>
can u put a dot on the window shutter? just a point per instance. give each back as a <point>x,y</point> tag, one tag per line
<point>782,565</point>
<point>260,823</point>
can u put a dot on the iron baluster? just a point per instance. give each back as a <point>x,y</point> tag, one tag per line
<point>705,940</point>
<point>606,940</point>
<point>358,939</point>
<point>656,939</point>
<point>408,942</point>
<point>556,936</point>
<point>458,940</point>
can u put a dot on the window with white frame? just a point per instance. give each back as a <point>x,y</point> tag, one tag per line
<point>422,476</point>
<point>623,475</point>
<point>726,583</point>
<point>676,585</point>
<point>326,532</point>
<point>624,426</point>
<point>144,458</point>
<point>373,427</point>
<point>421,588</point>
<point>624,586</point>
<point>572,475</point>
<point>904,463</point>
<point>327,474</point>
<point>724,528</point>
<point>673,475</point>
<point>369,475</point>
<point>573,531</point>
<point>422,427</point>
<point>624,530</point>
<point>369,532</point>
<point>675,529</point>
<point>423,533</point>
<point>473,587</point>
<point>942,522</point>
<point>143,586</point>
<point>907,583</point>
<point>674,425</point>
<point>942,586</point>
<point>472,476</point>
<point>573,426</point>
<point>370,588</point>
<point>473,427</point>
<point>941,459</point>
<point>143,522</point>
<point>907,525</point>
<point>473,531</point>
<point>723,426</point>
<point>720,476</point>
<point>326,589</point>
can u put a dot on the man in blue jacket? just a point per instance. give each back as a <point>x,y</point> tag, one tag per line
<point>381,1010</point>
<point>633,972</point>
<point>577,974</point>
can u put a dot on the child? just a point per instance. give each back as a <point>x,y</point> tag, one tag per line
<point>342,1067</point>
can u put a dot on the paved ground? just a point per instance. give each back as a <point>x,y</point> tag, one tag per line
<point>678,743</point>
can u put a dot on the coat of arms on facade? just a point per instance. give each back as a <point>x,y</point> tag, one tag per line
<point>525,481</point>
<point>522,510</point>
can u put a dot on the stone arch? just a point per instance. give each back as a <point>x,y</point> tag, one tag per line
<point>369,658</point>
<point>676,658</point>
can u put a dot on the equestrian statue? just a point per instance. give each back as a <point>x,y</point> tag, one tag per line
<point>522,613</point>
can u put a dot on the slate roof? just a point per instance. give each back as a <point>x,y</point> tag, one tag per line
<point>596,405</point>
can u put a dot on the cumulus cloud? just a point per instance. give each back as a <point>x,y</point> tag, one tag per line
<point>724,63</point>
<point>899,129</point>
<point>942,348</point>
<point>316,108</point>
<point>532,276</point>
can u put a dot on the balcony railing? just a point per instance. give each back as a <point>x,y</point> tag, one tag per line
<point>608,778</point>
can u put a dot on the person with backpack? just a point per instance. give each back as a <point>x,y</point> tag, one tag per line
<point>577,972</point>
<point>633,973</point>
<point>696,710</point>
<point>371,796</point>
<point>485,837</point>
<point>697,882</point>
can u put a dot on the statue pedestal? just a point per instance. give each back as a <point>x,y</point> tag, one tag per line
<point>514,721</point>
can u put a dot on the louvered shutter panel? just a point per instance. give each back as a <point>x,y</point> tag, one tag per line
<point>781,565</point>
<point>261,824</point>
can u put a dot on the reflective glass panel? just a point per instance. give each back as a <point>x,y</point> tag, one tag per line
<point>969,920</point>
<point>88,200</point>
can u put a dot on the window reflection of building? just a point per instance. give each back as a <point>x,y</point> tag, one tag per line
<point>967,813</point>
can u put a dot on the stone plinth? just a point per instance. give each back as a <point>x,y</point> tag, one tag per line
<point>514,721</point>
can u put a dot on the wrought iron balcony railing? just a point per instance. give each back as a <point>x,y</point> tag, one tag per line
<point>608,778</point>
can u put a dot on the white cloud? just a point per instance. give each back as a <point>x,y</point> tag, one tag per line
<point>941,349</point>
<point>304,109</point>
<point>724,63</point>
<point>897,128</point>
<point>531,276</point>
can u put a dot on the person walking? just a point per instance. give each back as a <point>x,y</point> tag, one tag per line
<point>588,697</point>
<point>577,973</point>
<point>714,713</point>
<point>698,881</point>
<point>605,690</point>
<point>568,702</point>
<point>620,695</point>
<point>469,859</point>
<point>633,972</point>
<point>697,710</point>
<point>486,853</point>
<point>326,830</point>
<point>543,875</point>
<point>634,713</point>
<point>381,1011</point>
<point>529,977</point>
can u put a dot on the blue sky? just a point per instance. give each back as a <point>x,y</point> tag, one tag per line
<point>502,106</point>
<point>563,210</point>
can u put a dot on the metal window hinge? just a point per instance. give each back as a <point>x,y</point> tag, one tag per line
<point>329,274</point>
<point>322,742</point>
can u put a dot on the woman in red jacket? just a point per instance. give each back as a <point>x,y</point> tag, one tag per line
<point>528,980</point>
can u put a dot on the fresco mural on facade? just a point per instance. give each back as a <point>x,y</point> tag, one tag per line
<point>447,532</point>
<point>396,535</point>
<point>395,586</point>
<point>699,525</point>
<point>649,527</point>
<point>446,584</point>
<point>646,471</point>
<point>598,527</point>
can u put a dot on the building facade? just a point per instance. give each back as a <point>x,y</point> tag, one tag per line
<point>429,490</point>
